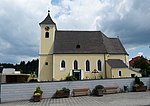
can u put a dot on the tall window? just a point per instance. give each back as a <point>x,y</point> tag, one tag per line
<point>99,65</point>
<point>75,64</point>
<point>87,65</point>
<point>62,64</point>
<point>120,73</point>
<point>46,34</point>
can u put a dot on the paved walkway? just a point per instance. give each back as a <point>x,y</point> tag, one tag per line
<point>121,99</point>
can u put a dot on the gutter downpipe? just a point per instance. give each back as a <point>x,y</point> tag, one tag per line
<point>53,67</point>
<point>0,86</point>
<point>105,66</point>
<point>1,69</point>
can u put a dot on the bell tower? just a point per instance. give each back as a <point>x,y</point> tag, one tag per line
<point>48,28</point>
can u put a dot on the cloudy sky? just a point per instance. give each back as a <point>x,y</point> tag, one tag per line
<point>20,30</point>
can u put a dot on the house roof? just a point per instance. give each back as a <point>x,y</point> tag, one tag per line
<point>135,69</point>
<point>47,20</point>
<point>8,71</point>
<point>116,63</point>
<point>86,42</point>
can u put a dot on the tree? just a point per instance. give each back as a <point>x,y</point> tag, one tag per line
<point>143,65</point>
<point>21,67</point>
<point>7,65</point>
<point>31,67</point>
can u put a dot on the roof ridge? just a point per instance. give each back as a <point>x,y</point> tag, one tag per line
<point>103,35</point>
<point>76,31</point>
<point>91,42</point>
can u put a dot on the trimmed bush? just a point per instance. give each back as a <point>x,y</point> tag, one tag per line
<point>98,90</point>
<point>33,80</point>
<point>38,90</point>
<point>71,78</point>
<point>137,82</point>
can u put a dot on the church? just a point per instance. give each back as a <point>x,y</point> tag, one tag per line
<point>82,54</point>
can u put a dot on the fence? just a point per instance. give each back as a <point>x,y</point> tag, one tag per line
<point>24,91</point>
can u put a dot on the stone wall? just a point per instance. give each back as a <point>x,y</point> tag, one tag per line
<point>24,91</point>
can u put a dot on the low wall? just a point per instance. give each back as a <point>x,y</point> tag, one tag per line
<point>24,91</point>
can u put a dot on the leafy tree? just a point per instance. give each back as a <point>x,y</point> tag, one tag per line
<point>143,65</point>
<point>7,65</point>
<point>23,67</point>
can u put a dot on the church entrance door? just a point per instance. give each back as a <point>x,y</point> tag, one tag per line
<point>77,74</point>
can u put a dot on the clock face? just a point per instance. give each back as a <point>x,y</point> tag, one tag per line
<point>46,28</point>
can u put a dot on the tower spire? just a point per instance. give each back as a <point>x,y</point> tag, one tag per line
<point>48,19</point>
<point>48,10</point>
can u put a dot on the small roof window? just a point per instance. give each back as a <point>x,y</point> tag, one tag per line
<point>78,46</point>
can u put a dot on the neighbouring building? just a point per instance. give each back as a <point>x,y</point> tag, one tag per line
<point>78,53</point>
<point>9,75</point>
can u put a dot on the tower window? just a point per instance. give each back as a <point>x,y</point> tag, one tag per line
<point>46,34</point>
<point>46,63</point>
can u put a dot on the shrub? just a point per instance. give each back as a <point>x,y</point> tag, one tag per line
<point>99,87</point>
<point>63,90</point>
<point>38,90</point>
<point>98,90</point>
<point>71,78</point>
<point>137,82</point>
<point>138,85</point>
<point>66,90</point>
<point>33,80</point>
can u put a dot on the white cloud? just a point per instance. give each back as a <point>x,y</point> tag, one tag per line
<point>20,32</point>
<point>124,7</point>
<point>140,54</point>
<point>132,49</point>
<point>4,44</point>
<point>26,58</point>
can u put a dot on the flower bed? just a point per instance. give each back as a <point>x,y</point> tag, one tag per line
<point>63,93</point>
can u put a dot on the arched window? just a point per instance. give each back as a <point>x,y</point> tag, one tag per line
<point>120,73</point>
<point>62,64</point>
<point>87,65</point>
<point>46,34</point>
<point>99,65</point>
<point>75,64</point>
